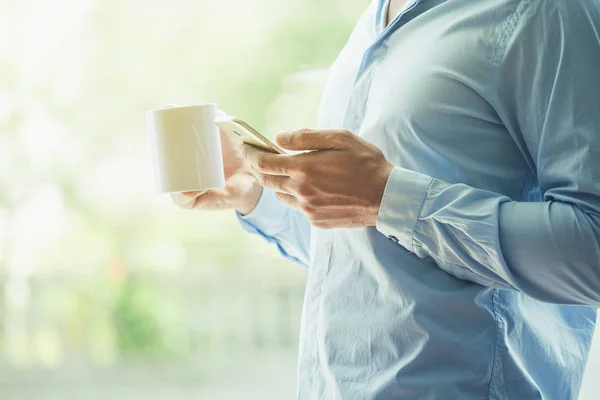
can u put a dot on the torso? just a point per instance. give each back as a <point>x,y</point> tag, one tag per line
<point>375,320</point>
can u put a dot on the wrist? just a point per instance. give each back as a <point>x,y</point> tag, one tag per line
<point>249,200</point>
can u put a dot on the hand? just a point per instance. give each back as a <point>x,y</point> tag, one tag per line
<point>339,184</point>
<point>241,192</point>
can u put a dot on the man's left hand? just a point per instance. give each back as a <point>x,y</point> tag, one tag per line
<point>338,183</point>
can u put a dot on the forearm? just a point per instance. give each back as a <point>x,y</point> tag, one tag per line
<point>567,262</point>
<point>547,250</point>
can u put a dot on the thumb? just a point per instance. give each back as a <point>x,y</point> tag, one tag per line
<point>308,139</point>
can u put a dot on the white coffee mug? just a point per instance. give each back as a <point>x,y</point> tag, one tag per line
<point>186,148</point>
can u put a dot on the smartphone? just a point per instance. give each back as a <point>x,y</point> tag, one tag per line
<point>236,128</point>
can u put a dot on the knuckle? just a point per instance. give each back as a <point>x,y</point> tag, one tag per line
<point>373,150</point>
<point>261,163</point>
<point>280,196</point>
<point>307,208</point>
<point>303,172</point>
<point>320,224</point>
<point>306,168</point>
<point>343,137</point>
<point>303,131</point>
<point>302,134</point>
<point>263,180</point>
<point>305,190</point>
<point>316,201</point>
<point>311,219</point>
<point>377,157</point>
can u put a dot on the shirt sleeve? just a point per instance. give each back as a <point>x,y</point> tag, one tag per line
<point>549,98</point>
<point>288,229</point>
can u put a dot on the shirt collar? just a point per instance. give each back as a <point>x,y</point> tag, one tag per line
<point>383,7</point>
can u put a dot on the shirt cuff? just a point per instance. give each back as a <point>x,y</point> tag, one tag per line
<point>401,205</point>
<point>268,213</point>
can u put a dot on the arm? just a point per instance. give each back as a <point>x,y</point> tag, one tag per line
<point>288,229</point>
<point>549,98</point>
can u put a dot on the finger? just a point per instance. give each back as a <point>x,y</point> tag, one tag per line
<point>268,163</point>
<point>276,183</point>
<point>182,201</point>
<point>186,200</point>
<point>288,200</point>
<point>212,200</point>
<point>255,173</point>
<point>308,139</point>
<point>194,194</point>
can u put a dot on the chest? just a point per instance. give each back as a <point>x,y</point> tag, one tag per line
<point>424,95</point>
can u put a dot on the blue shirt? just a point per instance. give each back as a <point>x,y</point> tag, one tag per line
<point>481,278</point>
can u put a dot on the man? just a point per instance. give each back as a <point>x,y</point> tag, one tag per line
<point>454,251</point>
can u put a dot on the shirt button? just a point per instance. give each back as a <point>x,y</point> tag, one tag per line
<point>393,238</point>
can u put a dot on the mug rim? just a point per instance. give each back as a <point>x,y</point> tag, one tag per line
<point>203,105</point>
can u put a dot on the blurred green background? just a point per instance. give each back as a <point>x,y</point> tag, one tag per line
<point>107,290</point>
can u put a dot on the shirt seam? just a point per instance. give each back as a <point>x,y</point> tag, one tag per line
<point>498,54</point>
<point>495,354</point>
<point>500,49</point>
<point>316,358</point>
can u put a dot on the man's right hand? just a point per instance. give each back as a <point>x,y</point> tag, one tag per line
<point>241,192</point>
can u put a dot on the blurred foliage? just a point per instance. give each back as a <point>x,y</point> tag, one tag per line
<point>138,330</point>
<point>94,265</point>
